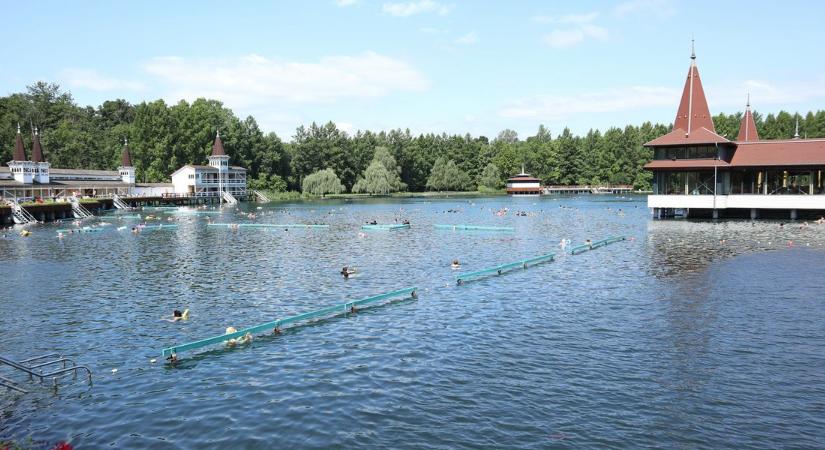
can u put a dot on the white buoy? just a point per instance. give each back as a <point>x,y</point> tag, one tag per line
<point>153,360</point>
<point>114,370</point>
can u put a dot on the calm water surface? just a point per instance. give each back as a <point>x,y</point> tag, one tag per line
<point>689,335</point>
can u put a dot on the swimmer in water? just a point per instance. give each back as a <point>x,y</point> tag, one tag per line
<point>589,243</point>
<point>347,271</point>
<point>455,264</point>
<point>178,315</point>
<point>245,339</point>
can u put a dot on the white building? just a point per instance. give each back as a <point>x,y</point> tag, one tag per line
<point>216,179</point>
<point>34,178</point>
<point>523,184</point>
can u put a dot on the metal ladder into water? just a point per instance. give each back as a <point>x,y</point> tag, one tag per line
<point>229,198</point>
<point>119,204</point>
<point>36,368</point>
<point>80,212</point>
<point>261,196</point>
<point>19,214</point>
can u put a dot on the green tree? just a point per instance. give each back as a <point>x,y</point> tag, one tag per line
<point>446,176</point>
<point>322,182</point>
<point>490,178</point>
<point>382,176</point>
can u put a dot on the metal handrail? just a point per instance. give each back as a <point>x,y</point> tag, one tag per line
<point>50,355</point>
<point>10,384</point>
<point>32,373</point>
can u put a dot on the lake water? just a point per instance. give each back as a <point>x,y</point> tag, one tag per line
<point>687,335</point>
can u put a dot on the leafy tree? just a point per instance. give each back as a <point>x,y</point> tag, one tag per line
<point>382,175</point>
<point>446,176</point>
<point>376,180</point>
<point>268,182</point>
<point>322,182</point>
<point>490,178</point>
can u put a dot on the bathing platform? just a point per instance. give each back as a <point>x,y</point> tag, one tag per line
<point>329,311</point>
<point>583,248</point>
<point>385,227</point>
<point>498,270</point>
<point>268,225</point>
<point>472,228</point>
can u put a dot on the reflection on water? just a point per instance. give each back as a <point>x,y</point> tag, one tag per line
<point>689,334</point>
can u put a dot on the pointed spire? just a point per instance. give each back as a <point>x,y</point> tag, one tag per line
<point>217,147</point>
<point>747,128</point>
<point>19,151</point>
<point>693,112</point>
<point>692,50</point>
<point>126,157</point>
<point>796,133</point>
<point>37,151</point>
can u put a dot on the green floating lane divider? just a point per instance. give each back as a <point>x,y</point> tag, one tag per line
<point>277,324</point>
<point>594,245</point>
<point>472,227</point>
<point>156,227</point>
<point>80,230</point>
<point>385,227</point>
<point>498,270</point>
<point>267,225</point>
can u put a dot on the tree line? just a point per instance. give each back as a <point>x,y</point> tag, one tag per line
<point>322,158</point>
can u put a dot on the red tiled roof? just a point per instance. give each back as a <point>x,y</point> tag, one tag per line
<point>794,152</point>
<point>693,112</point>
<point>747,129</point>
<point>37,151</point>
<point>217,147</point>
<point>126,157</point>
<point>19,151</point>
<point>685,164</point>
<point>679,137</point>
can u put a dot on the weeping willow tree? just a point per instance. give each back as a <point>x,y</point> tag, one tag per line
<point>322,182</point>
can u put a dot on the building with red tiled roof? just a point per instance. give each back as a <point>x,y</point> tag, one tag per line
<point>217,179</point>
<point>699,173</point>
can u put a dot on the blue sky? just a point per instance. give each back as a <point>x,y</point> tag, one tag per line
<point>428,65</point>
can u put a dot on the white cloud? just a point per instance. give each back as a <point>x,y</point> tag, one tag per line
<point>345,3</point>
<point>94,81</point>
<point>568,37</point>
<point>659,8</point>
<point>254,81</point>
<point>567,18</point>
<point>557,107</point>
<point>467,39</point>
<point>406,9</point>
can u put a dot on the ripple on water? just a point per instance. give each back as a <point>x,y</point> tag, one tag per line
<point>692,334</point>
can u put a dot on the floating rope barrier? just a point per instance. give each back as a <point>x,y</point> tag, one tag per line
<point>498,270</point>
<point>124,216</point>
<point>195,213</point>
<point>472,228</point>
<point>267,225</point>
<point>80,230</point>
<point>329,311</point>
<point>385,227</point>
<point>156,227</point>
<point>592,246</point>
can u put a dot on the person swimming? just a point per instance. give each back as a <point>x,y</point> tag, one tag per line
<point>455,264</point>
<point>178,315</point>
<point>245,339</point>
<point>347,271</point>
<point>589,243</point>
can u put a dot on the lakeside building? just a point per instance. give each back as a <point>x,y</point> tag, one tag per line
<point>29,178</point>
<point>217,178</point>
<point>523,184</point>
<point>698,173</point>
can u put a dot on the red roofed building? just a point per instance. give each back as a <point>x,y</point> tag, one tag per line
<point>698,173</point>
